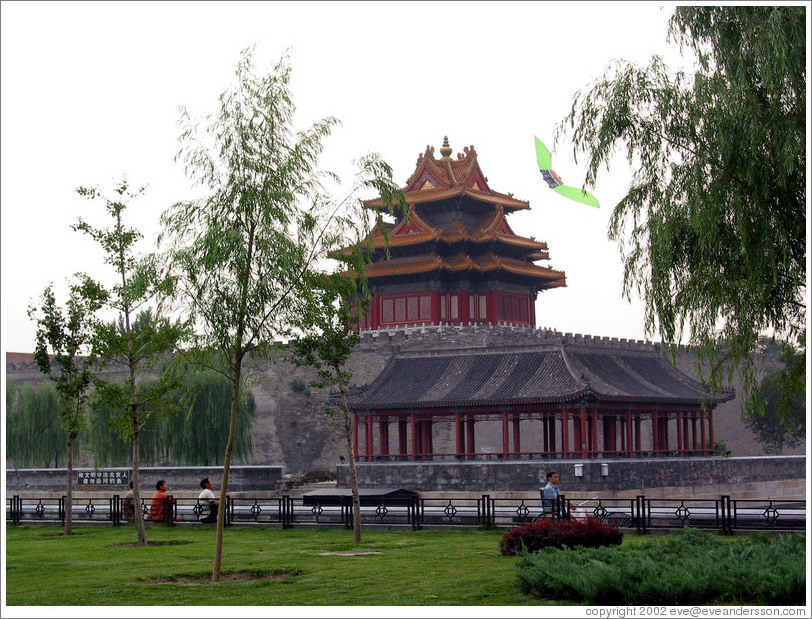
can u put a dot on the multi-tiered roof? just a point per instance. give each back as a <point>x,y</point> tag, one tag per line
<point>456,250</point>
<point>427,240</point>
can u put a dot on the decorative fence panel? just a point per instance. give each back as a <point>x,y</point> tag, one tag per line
<point>640,514</point>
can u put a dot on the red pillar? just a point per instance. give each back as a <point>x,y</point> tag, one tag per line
<point>383,436</point>
<point>355,436</point>
<point>710,432</point>
<point>551,433</point>
<point>470,438</point>
<point>629,433</point>
<point>403,444</point>
<point>702,428</point>
<point>655,432</point>
<point>582,446</point>
<point>517,436</point>
<point>680,434</point>
<point>593,439</point>
<point>415,438</point>
<point>459,431</point>
<point>369,444</point>
<point>505,435</point>
<point>565,439</point>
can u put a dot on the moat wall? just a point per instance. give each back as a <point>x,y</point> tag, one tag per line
<point>747,477</point>
<point>292,431</point>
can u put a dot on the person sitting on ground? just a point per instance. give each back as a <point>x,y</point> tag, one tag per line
<point>208,501</point>
<point>160,503</point>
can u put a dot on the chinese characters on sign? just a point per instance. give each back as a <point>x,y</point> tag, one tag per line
<point>102,478</point>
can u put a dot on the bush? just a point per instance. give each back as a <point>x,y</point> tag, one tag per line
<point>556,533</point>
<point>691,567</point>
<point>314,477</point>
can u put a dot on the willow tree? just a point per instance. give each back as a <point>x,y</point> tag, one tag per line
<point>712,229</point>
<point>240,253</point>
<point>137,339</point>
<point>63,337</point>
<point>34,435</point>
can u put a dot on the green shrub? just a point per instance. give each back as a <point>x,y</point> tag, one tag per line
<point>556,533</point>
<point>314,477</point>
<point>299,386</point>
<point>691,567</point>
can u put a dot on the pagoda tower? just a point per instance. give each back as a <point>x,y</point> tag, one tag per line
<point>453,258</point>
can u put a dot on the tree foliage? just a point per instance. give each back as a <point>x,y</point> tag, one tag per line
<point>329,332</point>
<point>712,229</point>
<point>138,338</point>
<point>783,423</point>
<point>196,436</point>
<point>34,435</point>
<point>240,253</point>
<point>66,333</point>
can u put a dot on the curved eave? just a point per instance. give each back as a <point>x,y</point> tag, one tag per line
<point>572,397</point>
<point>508,203</point>
<point>409,266</point>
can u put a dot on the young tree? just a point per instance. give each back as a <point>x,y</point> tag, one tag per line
<point>240,254</point>
<point>138,339</point>
<point>330,330</point>
<point>713,227</point>
<point>66,333</point>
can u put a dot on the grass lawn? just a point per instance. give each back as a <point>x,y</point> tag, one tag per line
<point>99,565</point>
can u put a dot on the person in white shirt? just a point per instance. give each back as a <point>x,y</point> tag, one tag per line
<point>208,501</point>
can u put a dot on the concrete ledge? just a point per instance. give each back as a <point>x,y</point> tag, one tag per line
<point>180,479</point>
<point>767,476</point>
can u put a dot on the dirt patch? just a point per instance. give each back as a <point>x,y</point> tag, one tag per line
<point>202,580</point>
<point>351,553</point>
<point>166,543</point>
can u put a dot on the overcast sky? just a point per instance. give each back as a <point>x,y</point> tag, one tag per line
<point>92,91</point>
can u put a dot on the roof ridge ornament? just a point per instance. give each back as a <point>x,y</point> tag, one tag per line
<point>445,151</point>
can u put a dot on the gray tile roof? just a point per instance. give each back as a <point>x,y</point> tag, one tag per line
<point>551,373</point>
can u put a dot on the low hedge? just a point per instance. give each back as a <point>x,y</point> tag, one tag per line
<point>690,567</point>
<point>556,533</point>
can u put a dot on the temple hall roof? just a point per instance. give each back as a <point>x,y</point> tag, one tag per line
<point>548,374</point>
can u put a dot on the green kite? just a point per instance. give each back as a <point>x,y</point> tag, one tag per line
<point>545,160</point>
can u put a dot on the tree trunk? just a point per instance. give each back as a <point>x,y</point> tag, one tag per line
<point>356,495</point>
<point>232,430</point>
<point>139,516</point>
<point>69,492</point>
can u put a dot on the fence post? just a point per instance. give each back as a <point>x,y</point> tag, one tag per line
<point>63,507</point>
<point>640,515</point>
<point>727,516</point>
<point>229,515</point>
<point>16,509</point>
<point>115,507</point>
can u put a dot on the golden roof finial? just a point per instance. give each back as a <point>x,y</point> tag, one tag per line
<point>446,149</point>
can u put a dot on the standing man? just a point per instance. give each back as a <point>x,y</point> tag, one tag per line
<point>208,501</point>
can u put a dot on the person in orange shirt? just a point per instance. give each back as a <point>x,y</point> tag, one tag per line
<point>160,502</point>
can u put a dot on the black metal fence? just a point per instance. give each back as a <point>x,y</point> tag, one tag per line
<point>640,514</point>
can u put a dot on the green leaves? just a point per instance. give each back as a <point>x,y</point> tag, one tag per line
<point>712,230</point>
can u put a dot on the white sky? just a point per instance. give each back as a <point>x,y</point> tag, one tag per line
<point>92,91</point>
